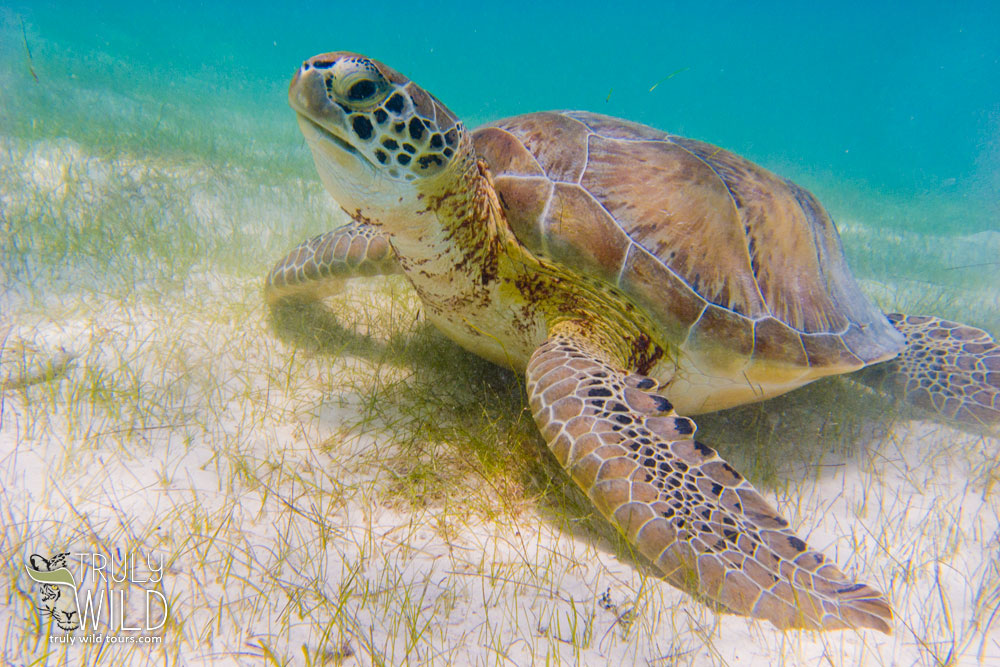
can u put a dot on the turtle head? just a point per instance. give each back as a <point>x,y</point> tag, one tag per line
<point>375,135</point>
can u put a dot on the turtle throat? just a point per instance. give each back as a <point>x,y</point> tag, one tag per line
<point>462,234</point>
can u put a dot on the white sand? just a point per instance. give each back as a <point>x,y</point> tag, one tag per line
<point>184,427</point>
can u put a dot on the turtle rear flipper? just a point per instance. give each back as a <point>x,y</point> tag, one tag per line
<point>318,267</point>
<point>688,511</point>
<point>947,368</point>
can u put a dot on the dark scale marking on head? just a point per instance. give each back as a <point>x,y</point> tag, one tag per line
<point>416,128</point>
<point>598,402</point>
<point>451,137</point>
<point>362,127</point>
<point>680,465</point>
<point>391,144</point>
<point>399,127</point>
<point>646,383</point>
<point>403,159</point>
<point>649,463</point>
<point>409,148</point>
<point>618,407</point>
<point>436,141</point>
<point>716,489</point>
<point>426,160</point>
<point>380,116</point>
<point>623,419</point>
<point>382,157</point>
<point>448,152</point>
<point>601,391</point>
<point>796,543</point>
<point>395,103</point>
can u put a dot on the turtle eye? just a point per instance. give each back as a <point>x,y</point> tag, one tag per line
<point>362,90</point>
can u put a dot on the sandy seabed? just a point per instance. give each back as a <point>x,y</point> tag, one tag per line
<point>178,424</point>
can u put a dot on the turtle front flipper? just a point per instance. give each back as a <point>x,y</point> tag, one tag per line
<point>687,510</point>
<point>947,368</point>
<point>319,266</point>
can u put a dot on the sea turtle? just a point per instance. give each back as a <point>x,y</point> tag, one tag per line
<point>636,278</point>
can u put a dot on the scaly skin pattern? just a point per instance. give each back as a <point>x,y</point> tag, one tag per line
<point>698,520</point>
<point>949,369</point>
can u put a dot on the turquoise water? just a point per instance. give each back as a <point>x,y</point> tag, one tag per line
<point>899,98</point>
<point>890,112</point>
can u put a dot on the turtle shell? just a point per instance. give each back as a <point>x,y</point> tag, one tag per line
<point>742,268</point>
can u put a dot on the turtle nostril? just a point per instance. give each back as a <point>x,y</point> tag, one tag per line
<point>305,67</point>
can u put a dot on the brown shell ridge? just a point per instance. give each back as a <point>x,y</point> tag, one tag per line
<point>806,202</point>
<point>739,216</point>
<point>541,169</point>
<point>586,152</point>
<point>803,199</point>
<point>632,246</point>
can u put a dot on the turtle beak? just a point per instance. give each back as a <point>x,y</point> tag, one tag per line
<point>323,123</point>
<point>307,91</point>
